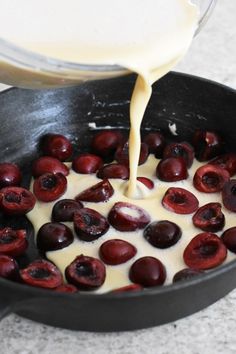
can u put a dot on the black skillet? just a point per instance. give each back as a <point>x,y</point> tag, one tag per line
<point>25,115</point>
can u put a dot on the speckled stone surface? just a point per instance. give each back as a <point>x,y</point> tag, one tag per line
<point>211,331</point>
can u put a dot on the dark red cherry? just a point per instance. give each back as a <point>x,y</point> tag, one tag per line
<point>210,178</point>
<point>229,239</point>
<point>146,181</point>
<point>89,224</point>
<point>86,273</point>
<point>128,288</point>
<point>205,251</point>
<point>180,201</point>
<point>207,144</point>
<point>48,164</point>
<point>122,154</point>
<point>148,272</point>
<point>209,218</point>
<point>87,163</point>
<point>10,175</point>
<point>99,192</point>
<point>172,169</point>
<point>106,142</point>
<point>128,217</point>
<point>16,200</point>
<point>114,170</point>
<point>226,161</point>
<point>162,234</point>
<point>184,150</point>
<point>54,236</point>
<point>116,251</point>
<point>43,274</point>
<point>66,288</point>
<point>57,146</point>
<point>156,143</point>
<point>50,187</point>
<point>64,210</point>
<point>186,274</point>
<point>229,195</point>
<point>8,267</point>
<point>13,242</point>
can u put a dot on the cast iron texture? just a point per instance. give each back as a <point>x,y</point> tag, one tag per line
<point>25,115</point>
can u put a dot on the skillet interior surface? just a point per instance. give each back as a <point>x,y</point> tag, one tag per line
<point>26,115</point>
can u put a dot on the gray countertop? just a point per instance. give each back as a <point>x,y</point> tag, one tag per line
<point>211,331</point>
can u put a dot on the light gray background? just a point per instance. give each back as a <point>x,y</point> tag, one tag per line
<point>211,331</point>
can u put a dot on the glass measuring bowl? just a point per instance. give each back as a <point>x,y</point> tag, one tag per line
<point>22,68</point>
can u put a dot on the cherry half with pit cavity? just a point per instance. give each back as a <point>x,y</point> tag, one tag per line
<point>172,169</point>
<point>49,187</point>
<point>87,163</point>
<point>16,200</point>
<point>207,144</point>
<point>114,170</point>
<point>184,150</point>
<point>57,145</point>
<point>180,201</point>
<point>10,175</point>
<point>13,242</point>
<point>54,236</point>
<point>86,273</point>
<point>209,218</point>
<point>210,178</point>
<point>162,234</point>
<point>128,217</point>
<point>148,272</point>
<point>66,288</point>
<point>48,164</point>
<point>229,195</point>
<point>116,251</point>
<point>64,210</point>
<point>99,192</point>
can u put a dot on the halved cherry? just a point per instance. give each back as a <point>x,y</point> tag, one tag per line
<point>229,195</point>
<point>114,170</point>
<point>146,181</point>
<point>209,218</point>
<point>162,234</point>
<point>205,251</point>
<point>207,144</point>
<point>148,272</point>
<point>186,274</point>
<point>226,161</point>
<point>122,154</point>
<point>89,224</point>
<point>128,288</point>
<point>116,251</point>
<point>66,288</point>
<point>10,175</point>
<point>184,150</point>
<point>128,217</point>
<point>8,267</point>
<point>229,239</point>
<point>99,192</point>
<point>180,201</point>
<point>13,242</point>
<point>172,169</point>
<point>210,178</point>
<point>57,145</point>
<point>86,273</point>
<point>16,200</point>
<point>64,210</point>
<point>48,164</point>
<point>54,236</point>
<point>106,142</point>
<point>49,187</point>
<point>156,143</point>
<point>43,274</point>
<point>87,163</point>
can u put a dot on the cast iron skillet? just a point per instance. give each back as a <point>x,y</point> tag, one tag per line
<point>25,115</point>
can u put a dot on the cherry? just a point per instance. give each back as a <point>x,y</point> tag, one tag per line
<point>106,142</point>
<point>89,224</point>
<point>87,163</point>
<point>42,273</point>
<point>210,178</point>
<point>207,144</point>
<point>114,170</point>
<point>13,242</point>
<point>99,192</point>
<point>162,234</point>
<point>64,210</point>
<point>122,154</point>
<point>146,181</point>
<point>57,146</point>
<point>66,288</point>
<point>229,239</point>
<point>184,150</point>
<point>180,201</point>
<point>54,236</point>
<point>226,161</point>
<point>10,175</point>
<point>128,288</point>
<point>148,272</point>
<point>8,267</point>
<point>116,251</point>
<point>86,273</point>
<point>48,164</point>
<point>16,200</point>
<point>229,195</point>
<point>186,274</point>
<point>156,143</point>
<point>209,218</point>
<point>205,251</point>
<point>172,169</point>
<point>128,217</point>
<point>49,187</point>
